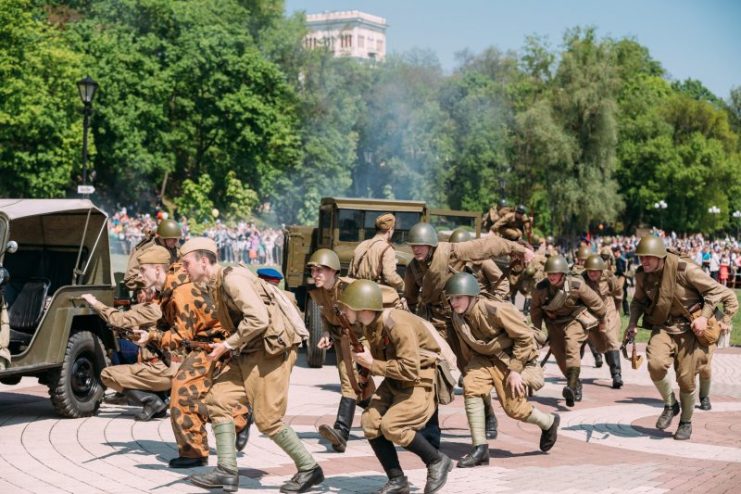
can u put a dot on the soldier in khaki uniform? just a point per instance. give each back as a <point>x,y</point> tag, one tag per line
<point>599,278</point>
<point>493,282</point>
<point>430,269</point>
<point>577,269</point>
<point>258,375</point>
<point>666,288</point>
<point>730,308</point>
<point>141,381</point>
<point>515,225</point>
<point>500,344</point>
<point>570,308</point>
<point>375,259</point>
<point>493,215</point>
<point>168,235</point>
<point>403,352</point>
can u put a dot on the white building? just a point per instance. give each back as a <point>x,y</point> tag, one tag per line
<point>348,34</point>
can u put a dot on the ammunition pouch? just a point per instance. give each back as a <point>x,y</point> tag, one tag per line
<point>587,320</point>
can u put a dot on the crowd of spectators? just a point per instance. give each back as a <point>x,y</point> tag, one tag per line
<point>244,242</point>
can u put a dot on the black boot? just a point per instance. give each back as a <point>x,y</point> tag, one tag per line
<point>572,382</point>
<point>386,453</point>
<point>431,431</point>
<point>183,462</point>
<point>304,481</point>
<point>151,403</point>
<point>438,464</point>
<point>548,437</point>
<point>491,420</point>
<point>613,360</point>
<point>665,419</point>
<point>705,403</point>
<point>244,435</point>
<point>479,455</point>
<point>597,358</point>
<point>338,435</point>
<point>684,431</point>
<point>219,477</point>
<point>397,485</point>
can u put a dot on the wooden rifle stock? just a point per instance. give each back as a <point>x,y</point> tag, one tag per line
<point>365,387</point>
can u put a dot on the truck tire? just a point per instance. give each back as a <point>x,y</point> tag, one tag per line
<point>75,388</point>
<point>314,355</point>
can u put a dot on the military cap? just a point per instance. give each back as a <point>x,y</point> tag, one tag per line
<point>269,274</point>
<point>198,243</point>
<point>385,222</point>
<point>155,255</point>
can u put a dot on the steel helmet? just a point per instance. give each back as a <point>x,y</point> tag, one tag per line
<point>651,246</point>
<point>462,284</point>
<point>168,229</point>
<point>325,257</point>
<point>556,264</point>
<point>583,252</point>
<point>460,235</point>
<point>595,263</point>
<point>362,295</point>
<point>521,208</point>
<point>423,234</point>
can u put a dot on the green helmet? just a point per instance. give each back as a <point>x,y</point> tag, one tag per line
<point>325,257</point>
<point>502,203</point>
<point>595,263</point>
<point>362,295</point>
<point>556,264</point>
<point>521,208</point>
<point>462,284</point>
<point>583,252</point>
<point>423,234</point>
<point>651,246</point>
<point>168,229</point>
<point>460,235</point>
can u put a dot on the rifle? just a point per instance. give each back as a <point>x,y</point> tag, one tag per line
<point>133,336</point>
<point>635,359</point>
<point>206,347</point>
<point>349,342</point>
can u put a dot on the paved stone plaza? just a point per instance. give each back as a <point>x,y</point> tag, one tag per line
<point>607,443</point>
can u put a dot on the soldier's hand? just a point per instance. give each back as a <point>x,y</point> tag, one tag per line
<point>143,337</point>
<point>516,386</point>
<point>89,298</point>
<point>528,256</point>
<point>325,342</point>
<point>217,350</point>
<point>630,334</point>
<point>724,327</point>
<point>365,359</point>
<point>699,325</point>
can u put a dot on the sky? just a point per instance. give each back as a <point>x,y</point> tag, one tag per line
<point>690,38</point>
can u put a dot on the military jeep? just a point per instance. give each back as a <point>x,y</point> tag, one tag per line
<point>343,224</point>
<point>52,251</point>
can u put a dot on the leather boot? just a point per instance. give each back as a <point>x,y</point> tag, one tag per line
<point>243,436</point>
<point>437,474</point>
<point>665,419</point>
<point>386,453</point>
<point>491,420</point>
<point>613,360</point>
<point>597,359</point>
<point>479,455</point>
<point>219,477</point>
<point>578,393</point>
<point>431,431</point>
<point>684,431</point>
<point>569,391</point>
<point>184,462</point>
<point>338,435</point>
<point>548,437</point>
<point>705,403</point>
<point>151,403</point>
<point>397,485</point>
<point>304,481</point>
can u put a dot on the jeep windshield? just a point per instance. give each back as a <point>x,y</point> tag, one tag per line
<point>357,225</point>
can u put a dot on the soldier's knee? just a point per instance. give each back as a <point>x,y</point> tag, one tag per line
<point>657,370</point>
<point>393,432</point>
<point>518,410</point>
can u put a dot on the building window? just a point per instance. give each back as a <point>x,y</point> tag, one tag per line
<point>361,41</point>
<point>346,41</point>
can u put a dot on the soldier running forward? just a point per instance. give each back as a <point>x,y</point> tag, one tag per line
<point>403,352</point>
<point>577,269</point>
<point>730,308</point>
<point>258,374</point>
<point>375,259</point>
<point>569,308</point>
<point>140,382</point>
<point>599,278</point>
<point>430,269</point>
<point>670,291</point>
<point>500,344</point>
<point>515,225</point>
<point>168,235</point>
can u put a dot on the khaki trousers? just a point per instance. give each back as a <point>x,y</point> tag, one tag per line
<point>566,341</point>
<point>345,385</point>
<point>681,350</point>
<point>483,373</point>
<point>607,340</point>
<point>396,411</point>
<point>258,379</point>
<point>145,376</point>
<point>706,371</point>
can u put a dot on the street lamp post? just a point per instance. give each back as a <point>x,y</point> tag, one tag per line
<point>87,88</point>
<point>715,211</point>
<point>660,207</point>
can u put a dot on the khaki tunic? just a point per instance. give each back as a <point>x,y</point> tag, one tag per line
<point>487,321</point>
<point>253,377</point>
<point>565,332</point>
<point>509,227</point>
<point>493,283</point>
<point>132,268</point>
<point>405,400</point>
<point>375,259</point>
<point>672,341</point>
<point>607,339</point>
<point>150,373</point>
<point>327,300</point>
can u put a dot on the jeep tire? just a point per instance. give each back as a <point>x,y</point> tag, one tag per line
<point>314,355</point>
<point>75,388</point>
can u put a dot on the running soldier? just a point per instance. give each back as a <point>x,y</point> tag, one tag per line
<point>499,344</point>
<point>577,269</point>
<point>265,349</point>
<point>515,225</point>
<point>569,308</point>
<point>667,291</point>
<point>403,352</point>
<point>375,259</point>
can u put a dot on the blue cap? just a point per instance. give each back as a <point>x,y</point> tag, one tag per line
<point>269,273</point>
